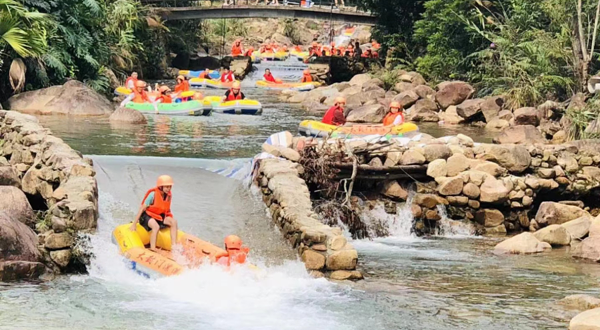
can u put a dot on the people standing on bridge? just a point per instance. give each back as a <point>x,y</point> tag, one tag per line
<point>335,114</point>
<point>226,75</point>
<point>234,93</point>
<point>155,212</point>
<point>237,49</point>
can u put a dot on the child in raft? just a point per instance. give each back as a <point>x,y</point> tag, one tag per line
<point>269,77</point>
<point>395,116</point>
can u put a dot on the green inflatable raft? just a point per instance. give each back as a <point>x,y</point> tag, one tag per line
<point>189,108</point>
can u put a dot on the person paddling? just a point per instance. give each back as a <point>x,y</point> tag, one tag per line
<point>395,116</point>
<point>155,212</point>
<point>335,114</point>
<point>234,93</point>
<point>165,96</point>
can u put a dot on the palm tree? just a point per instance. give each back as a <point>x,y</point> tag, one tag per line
<point>23,33</point>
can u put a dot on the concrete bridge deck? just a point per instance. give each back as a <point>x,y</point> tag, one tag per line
<point>262,11</point>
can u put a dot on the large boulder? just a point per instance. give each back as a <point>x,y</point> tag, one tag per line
<point>524,243</point>
<point>394,191</point>
<point>9,176</point>
<point>367,114</point>
<point>588,249</point>
<point>15,204</point>
<point>129,116</point>
<point>17,241</point>
<point>72,98</point>
<point>360,79</point>
<point>522,134</point>
<point>489,217</point>
<point>407,98</point>
<point>554,235</point>
<point>469,108</point>
<point>436,151</point>
<point>588,320</point>
<point>496,124</point>
<point>581,302</point>
<point>551,213</point>
<point>453,93</point>
<point>450,116</point>
<point>515,158</point>
<point>493,191</point>
<point>424,91</point>
<point>491,107</point>
<point>579,227</point>
<point>527,116</point>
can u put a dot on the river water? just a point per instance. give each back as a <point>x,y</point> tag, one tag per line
<point>444,282</point>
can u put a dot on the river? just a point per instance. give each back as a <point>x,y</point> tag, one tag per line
<point>444,282</point>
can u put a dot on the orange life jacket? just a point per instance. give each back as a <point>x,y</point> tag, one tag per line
<point>233,256</point>
<point>236,50</point>
<point>233,97</point>
<point>306,78</point>
<point>130,79</point>
<point>160,208</point>
<point>248,52</point>
<point>183,86</point>
<point>203,75</point>
<point>298,49</point>
<point>140,97</point>
<point>389,119</point>
<point>165,99</point>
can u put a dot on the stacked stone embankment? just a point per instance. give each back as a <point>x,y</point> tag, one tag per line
<point>49,197</point>
<point>323,249</point>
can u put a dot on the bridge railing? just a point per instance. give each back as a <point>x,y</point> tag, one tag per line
<point>341,5</point>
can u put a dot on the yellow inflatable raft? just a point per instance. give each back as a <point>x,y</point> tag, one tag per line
<point>294,86</point>
<point>132,245</point>
<point>319,129</point>
<point>270,56</point>
<point>239,107</point>
<point>299,55</point>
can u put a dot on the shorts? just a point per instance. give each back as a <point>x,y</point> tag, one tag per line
<point>144,222</point>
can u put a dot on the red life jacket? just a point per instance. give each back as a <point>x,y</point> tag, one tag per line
<point>330,116</point>
<point>227,77</point>
<point>269,77</point>
<point>306,78</point>
<point>233,97</point>
<point>236,50</point>
<point>160,208</point>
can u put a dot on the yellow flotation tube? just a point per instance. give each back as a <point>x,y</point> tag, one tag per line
<point>209,83</point>
<point>318,129</point>
<point>270,56</point>
<point>122,91</point>
<point>299,55</point>
<point>239,107</point>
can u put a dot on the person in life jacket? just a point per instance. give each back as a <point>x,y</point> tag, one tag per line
<point>395,116</point>
<point>237,49</point>
<point>315,50</point>
<point>350,51</point>
<point>226,75</point>
<point>164,96</point>
<point>375,44</point>
<point>234,93</point>
<point>155,211</point>
<point>368,53</point>
<point>269,77</point>
<point>204,74</point>
<point>235,252</point>
<point>298,48</point>
<point>139,93</point>
<point>182,84</point>
<point>130,82</point>
<point>335,114</point>
<point>306,77</point>
<point>249,51</point>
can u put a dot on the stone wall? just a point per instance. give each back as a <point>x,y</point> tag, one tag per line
<point>56,181</point>
<point>323,249</point>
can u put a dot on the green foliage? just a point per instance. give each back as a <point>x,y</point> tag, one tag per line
<point>583,123</point>
<point>21,31</point>
<point>290,30</point>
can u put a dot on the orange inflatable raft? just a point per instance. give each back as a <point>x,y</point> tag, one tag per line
<point>194,251</point>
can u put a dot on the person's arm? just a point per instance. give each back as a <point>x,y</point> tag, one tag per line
<point>128,99</point>
<point>226,96</point>
<point>399,120</point>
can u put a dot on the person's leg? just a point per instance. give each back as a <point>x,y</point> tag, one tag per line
<point>171,222</point>
<point>154,233</point>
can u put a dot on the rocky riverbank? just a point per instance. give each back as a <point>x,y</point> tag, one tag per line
<point>49,198</point>
<point>323,249</point>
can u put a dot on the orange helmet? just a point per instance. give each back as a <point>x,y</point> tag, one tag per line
<point>164,180</point>
<point>233,242</point>
<point>395,104</point>
<point>236,84</point>
<point>140,83</point>
<point>340,100</point>
<point>306,71</point>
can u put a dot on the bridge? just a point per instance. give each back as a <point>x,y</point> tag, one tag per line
<point>318,11</point>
